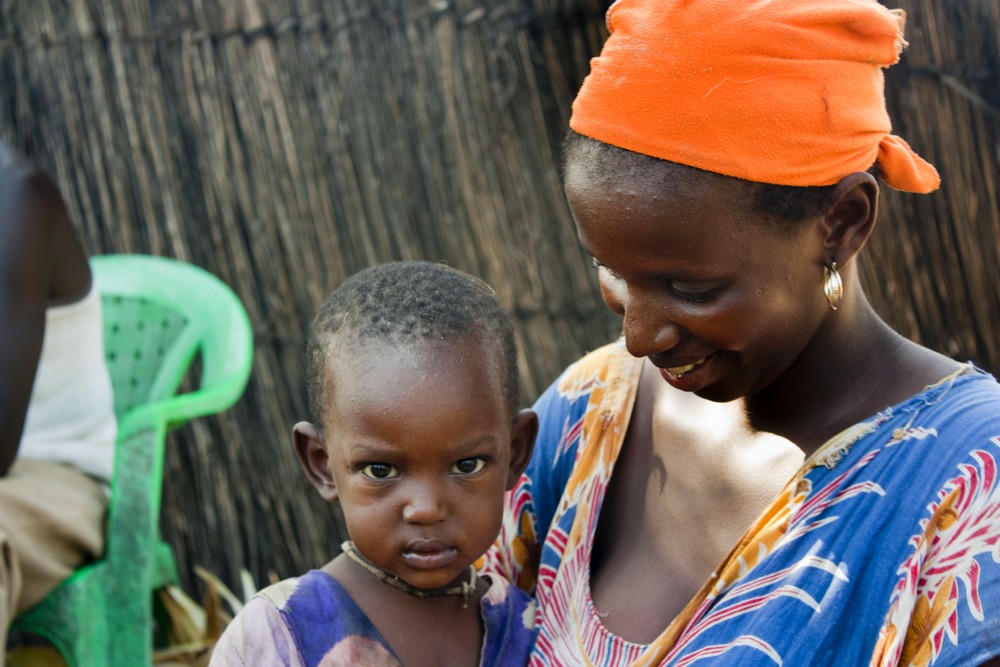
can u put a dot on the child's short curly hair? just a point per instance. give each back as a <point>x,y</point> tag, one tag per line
<point>405,302</point>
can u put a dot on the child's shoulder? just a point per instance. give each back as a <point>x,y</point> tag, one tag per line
<point>315,600</point>
<point>259,634</point>
<point>287,604</point>
<point>306,619</point>
<point>313,584</point>
<point>278,594</point>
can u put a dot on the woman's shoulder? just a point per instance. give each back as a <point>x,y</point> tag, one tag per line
<point>965,416</point>
<point>968,397</point>
<point>946,426</point>
<point>599,368</point>
<point>607,357</point>
<point>961,409</point>
<point>595,393</point>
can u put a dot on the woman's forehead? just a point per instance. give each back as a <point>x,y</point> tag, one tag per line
<point>696,225</point>
<point>694,202</point>
<point>597,169</point>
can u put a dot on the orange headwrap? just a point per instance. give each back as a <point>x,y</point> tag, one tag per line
<point>789,92</point>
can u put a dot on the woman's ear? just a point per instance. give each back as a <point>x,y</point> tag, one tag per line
<point>524,429</point>
<point>850,220</point>
<point>311,452</point>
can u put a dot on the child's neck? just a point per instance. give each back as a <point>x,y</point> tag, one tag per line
<point>465,589</point>
<point>439,630</point>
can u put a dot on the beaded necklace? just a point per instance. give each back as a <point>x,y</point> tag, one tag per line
<point>464,589</point>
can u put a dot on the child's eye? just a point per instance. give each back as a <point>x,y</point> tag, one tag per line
<point>379,471</point>
<point>468,466</point>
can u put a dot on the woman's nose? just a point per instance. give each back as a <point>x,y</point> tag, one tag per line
<point>648,327</point>
<point>425,504</point>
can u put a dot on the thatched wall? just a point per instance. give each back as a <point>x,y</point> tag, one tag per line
<point>935,263</point>
<point>284,144</point>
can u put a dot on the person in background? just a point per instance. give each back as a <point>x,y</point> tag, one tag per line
<point>414,391</point>
<point>57,422</point>
<point>761,472</point>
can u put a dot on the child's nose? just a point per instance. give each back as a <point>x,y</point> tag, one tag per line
<point>425,505</point>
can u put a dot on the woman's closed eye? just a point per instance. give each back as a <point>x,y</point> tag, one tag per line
<point>469,466</point>
<point>601,268</point>
<point>694,292</point>
<point>379,471</point>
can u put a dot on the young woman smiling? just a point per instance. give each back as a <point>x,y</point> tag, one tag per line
<point>761,471</point>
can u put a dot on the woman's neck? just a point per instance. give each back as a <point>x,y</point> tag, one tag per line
<point>851,370</point>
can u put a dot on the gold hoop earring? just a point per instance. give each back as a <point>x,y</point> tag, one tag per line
<point>833,286</point>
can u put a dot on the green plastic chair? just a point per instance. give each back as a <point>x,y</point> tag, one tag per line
<point>158,315</point>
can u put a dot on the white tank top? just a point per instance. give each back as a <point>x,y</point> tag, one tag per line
<point>71,415</point>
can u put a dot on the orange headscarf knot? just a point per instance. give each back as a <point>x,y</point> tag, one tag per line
<point>775,91</point>
<point>903,169</point>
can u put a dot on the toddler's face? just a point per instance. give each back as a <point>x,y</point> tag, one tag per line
<point>419,446</point>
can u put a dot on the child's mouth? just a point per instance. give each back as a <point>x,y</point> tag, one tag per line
<point>429,555</point>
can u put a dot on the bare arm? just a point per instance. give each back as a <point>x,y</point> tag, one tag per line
<point>40,263</point>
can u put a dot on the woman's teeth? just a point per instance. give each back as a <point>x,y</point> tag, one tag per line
<point>679,371</point>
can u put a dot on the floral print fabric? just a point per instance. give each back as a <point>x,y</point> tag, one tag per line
<point>883,549</point>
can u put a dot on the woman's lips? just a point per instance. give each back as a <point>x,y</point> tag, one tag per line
<point>690,377</point>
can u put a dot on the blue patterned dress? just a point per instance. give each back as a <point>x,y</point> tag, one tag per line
<point>311,621</point>
<point>883,549</point>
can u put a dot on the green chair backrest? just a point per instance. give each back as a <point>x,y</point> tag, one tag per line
<point>138,333</point>
<point>159,313</point>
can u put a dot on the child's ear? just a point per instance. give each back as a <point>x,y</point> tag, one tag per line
<point>311,451</point>
<point>524,428</point>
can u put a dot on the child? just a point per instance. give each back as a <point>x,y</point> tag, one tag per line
<point>414,386</point>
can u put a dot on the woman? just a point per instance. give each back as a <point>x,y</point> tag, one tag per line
<point>718,173</point>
